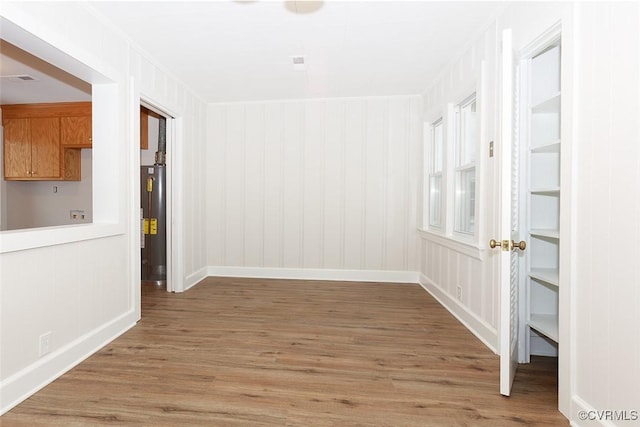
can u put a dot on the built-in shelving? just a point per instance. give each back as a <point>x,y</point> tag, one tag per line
<point>549,191</point>
<point>551,233</point>
<point>549,105</point>
<point>552,147</point>
<point>546,324</point>
<point>547,275</point>
<point>543,198</point>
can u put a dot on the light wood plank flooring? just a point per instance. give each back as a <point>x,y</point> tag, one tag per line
<point>252,352</point>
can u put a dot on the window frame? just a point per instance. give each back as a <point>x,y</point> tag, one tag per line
<point>466,161</point>
<point>435,162</point>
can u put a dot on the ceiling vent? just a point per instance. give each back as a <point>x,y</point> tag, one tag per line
<point>19,78</point>
<point>298,63</point>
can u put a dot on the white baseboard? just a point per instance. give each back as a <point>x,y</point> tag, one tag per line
<point>477,326</point>
<point>195,278</point>
<point>21,385</point>
<point>584,414</point>
<point>316,274</point>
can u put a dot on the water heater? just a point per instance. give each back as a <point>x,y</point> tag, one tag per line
<point>153,242</point>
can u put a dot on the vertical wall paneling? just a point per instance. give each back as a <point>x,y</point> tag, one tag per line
<point>397,167</point>
<point>313,189</point>
<point>274,176</point>
<point>254,143</point>
<point>354,181</point>
<point>319,184</point>
<point>235,183</point>
<point>214,191</point>
<point>447,264</point>
<point>605,292</point>
<point>374,184</point>
<point>334,176</point>
<point>293,185</point>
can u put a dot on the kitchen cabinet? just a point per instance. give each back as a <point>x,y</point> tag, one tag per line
<point>75,131</point>
<point>32,148</point>
<point>43,141</point>
<point>144,128</point>
<point>145,113</point>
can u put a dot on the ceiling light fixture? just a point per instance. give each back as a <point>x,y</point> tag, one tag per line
<point>302,7</point>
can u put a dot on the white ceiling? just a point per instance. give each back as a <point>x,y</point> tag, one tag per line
<point>49,84</point>
<point>241,50</point>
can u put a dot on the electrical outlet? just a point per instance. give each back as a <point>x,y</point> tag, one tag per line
<point>45,343</point>
<point>77,215</point>
<point>459,293</point>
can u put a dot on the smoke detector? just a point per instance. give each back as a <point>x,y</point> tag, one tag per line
<point>298,63</point>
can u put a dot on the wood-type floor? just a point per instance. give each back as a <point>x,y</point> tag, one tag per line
<point>254,352</point>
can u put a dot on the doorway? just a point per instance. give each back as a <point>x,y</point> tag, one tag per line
<point>532,162</point>
<point>156,131</point>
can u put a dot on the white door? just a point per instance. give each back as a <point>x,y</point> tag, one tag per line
<point>508,243</point>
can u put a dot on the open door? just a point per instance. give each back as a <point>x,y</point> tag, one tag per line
<point>508,244</point>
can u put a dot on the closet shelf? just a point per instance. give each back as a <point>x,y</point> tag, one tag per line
<point>547,275</point>
<point>548,191</point>
<point>553,147</point>
<point>549,105</point>
<point>546,324</point>
<point>544,232</point>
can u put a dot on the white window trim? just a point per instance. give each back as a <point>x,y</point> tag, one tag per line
<point>429,172</point>
<point>473,93</point>
<point>460,241</point>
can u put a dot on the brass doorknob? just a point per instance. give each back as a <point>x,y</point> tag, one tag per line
<point>493,243</point>
<point>522,245</point>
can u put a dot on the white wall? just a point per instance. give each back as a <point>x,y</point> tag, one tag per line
<point>35,204</point>
<point>321,184</point>
<point>446,261</point>
<point>82,283</point>
<point>606,292</point>
<point>78,291</point>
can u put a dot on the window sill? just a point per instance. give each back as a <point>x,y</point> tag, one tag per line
<point>19,240</point>
<point>467,248</point>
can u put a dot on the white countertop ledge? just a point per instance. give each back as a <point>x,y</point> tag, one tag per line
<point>31,238</point>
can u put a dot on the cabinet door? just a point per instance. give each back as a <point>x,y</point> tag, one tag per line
<point>144,128</point>
<point>45,148</point>
<point>75,132</point>
<point>17,148</point>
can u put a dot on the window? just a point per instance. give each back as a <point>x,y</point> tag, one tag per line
<point>465,143</point>
<point>435,181</point>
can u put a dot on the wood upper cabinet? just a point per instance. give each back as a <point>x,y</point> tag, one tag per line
<point>144,128</point>
<point>145,113</point>
<point>43,141</point>
<point>45,148</point>
<point>32,148</point>
<point>75,131</point>
<point>17,148</point>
